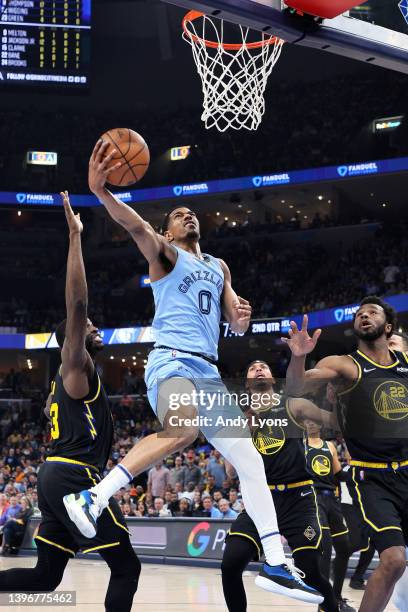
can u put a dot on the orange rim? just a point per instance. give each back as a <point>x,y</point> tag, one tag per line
<point>192,15</point>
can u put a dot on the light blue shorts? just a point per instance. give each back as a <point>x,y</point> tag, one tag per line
<point>219,416</point>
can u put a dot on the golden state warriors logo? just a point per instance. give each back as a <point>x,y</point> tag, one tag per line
<point>391,400</point>
<point>321,465</point>
<point>268,440</point>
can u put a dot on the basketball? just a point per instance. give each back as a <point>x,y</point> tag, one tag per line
<point>134,153</point>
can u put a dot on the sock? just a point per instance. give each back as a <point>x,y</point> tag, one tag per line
<point>115,480</point>
<point>256,495</point>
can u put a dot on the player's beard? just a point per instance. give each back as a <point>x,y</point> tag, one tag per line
<point>92,347</point>
<point>370,336</point>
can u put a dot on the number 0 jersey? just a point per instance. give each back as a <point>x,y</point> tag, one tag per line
<point>188,308</point>
<point>373,413</point>
<point>81,429</point>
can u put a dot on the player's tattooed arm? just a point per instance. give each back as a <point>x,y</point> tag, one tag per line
<point>235,309</point>
<point>76,362</point>
<point>152,245</point>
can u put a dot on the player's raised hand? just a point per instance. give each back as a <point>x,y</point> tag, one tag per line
<point>100,166</point>
<point>299,341</point>
<point>244,311</point>
<point>74,221</point>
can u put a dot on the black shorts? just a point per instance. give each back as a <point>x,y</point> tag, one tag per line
<point>382,496</point>
<point>56,528</point>
<point>331,515</point>
<point>298,521</point>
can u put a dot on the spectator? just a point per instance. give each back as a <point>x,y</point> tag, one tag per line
<point>127,510</point>
<point>216,468</point>
<point>158,509</point>
<point>4,505</point>
<point>13,509</point>
<point>210,487</point>
<point>141,509</point>
<point>191,472</point>
<point>196,505</point>
<point>224,511</point>
<point>158,480</point>
<point>177,472</point>
<point>14,528</point>
<point>235,503</point>
<point>189,492</point>
<point>184,508</point>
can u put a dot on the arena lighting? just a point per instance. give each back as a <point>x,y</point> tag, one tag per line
<point>180,153</point>
<point>42,158</point>
<point>387,124</point>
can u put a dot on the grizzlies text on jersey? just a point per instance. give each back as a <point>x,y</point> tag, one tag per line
<point>188,308</point>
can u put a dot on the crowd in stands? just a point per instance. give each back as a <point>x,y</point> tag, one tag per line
<point>298,276</point>
<point>306,125</point>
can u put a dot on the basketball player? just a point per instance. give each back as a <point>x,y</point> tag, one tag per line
<point>372,387</point>
<point>399,342</point>
<point>189,289</point>
<point>283,453</point>
<point>324,465</point>
<point>81,438</point>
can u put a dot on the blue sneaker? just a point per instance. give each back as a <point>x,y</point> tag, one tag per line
<point>83,509</point>
<point>287,580</point>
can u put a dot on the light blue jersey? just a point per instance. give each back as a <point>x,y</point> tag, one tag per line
<point>188,305</point>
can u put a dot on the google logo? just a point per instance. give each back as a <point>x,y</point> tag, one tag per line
<point>202,540</point>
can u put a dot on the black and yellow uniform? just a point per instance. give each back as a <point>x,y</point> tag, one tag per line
<point>320,465</point>
<point>81,439</point>
<point>377,404</point>
<point>283,453</point>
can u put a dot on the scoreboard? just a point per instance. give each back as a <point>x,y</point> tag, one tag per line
<point>45,42</point>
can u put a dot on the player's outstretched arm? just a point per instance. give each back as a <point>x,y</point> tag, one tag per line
<point>235,309</point>
<point>298,380</point>
<point>301,409</point>
<point>76,362</point>
<point>151,244</point>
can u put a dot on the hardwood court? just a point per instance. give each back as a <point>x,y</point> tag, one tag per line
<point>165,588</point>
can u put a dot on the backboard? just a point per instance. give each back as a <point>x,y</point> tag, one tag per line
<point>375,32</point>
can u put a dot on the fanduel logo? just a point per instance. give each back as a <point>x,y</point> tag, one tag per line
<point>345,314</point>
<point>339,315</point>
<point>403,6</point>
<point>190,189</point>
<point>35,198</point>
<point>357,169</point>
<point>271,179</point>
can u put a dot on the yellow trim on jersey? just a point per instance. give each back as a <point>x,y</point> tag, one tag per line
<point>394,465</point>
<point>97,392</point>
<point>354,385</point>
<point>377,365</point>
<point>289,413</point>
<point>91,478</point>
<point>292,485</point>
<point>366,548</point>
<point>335,535</point>
<point>245,535</point>
<point>102,546</point>
<point>316,546</point>
<point>405,356</point>
<point>109,509</point>
<point>73,461</point>
<point>367,520</point>
<point>326,527</point>
<point>55,544</point>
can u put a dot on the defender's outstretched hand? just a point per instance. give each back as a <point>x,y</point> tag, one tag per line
<point>74,221</point>
<point>99,166</point>
<point>299,341</point>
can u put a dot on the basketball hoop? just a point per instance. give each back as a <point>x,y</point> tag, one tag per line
<point>234,75</point>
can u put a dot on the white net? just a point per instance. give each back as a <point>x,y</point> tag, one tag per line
<point>234,76</point>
